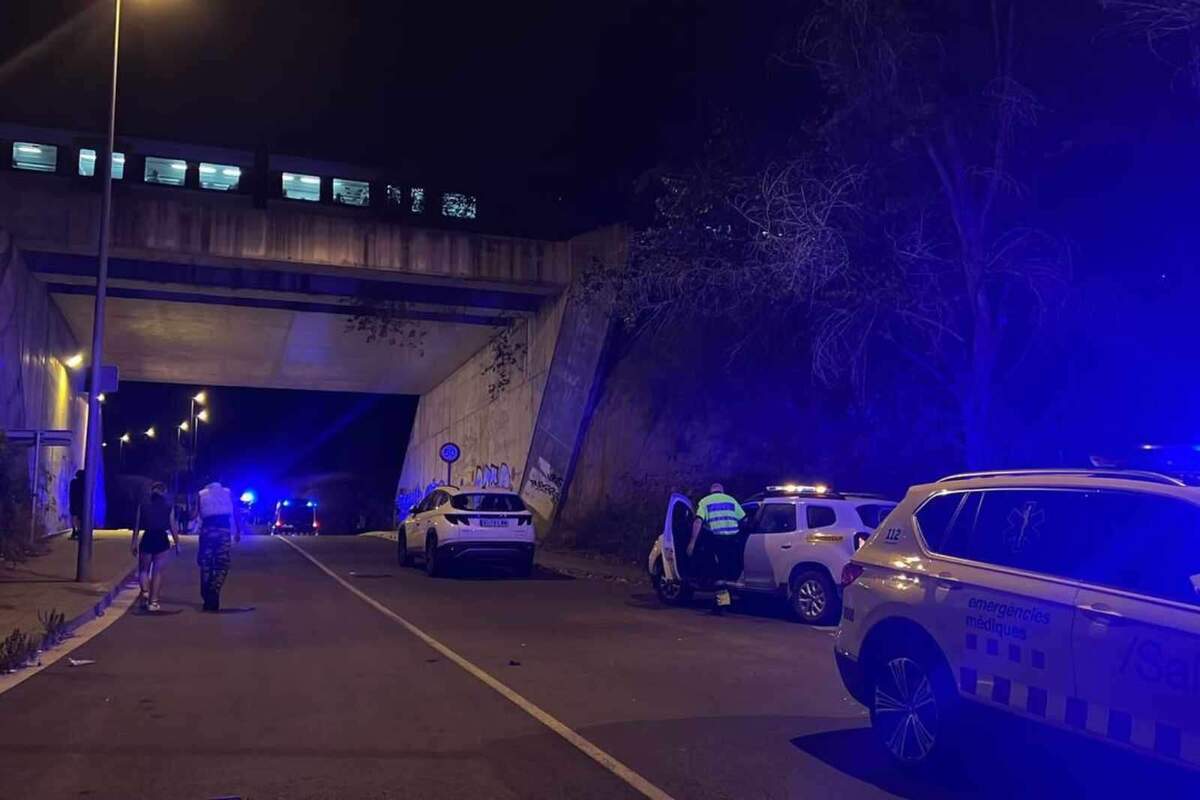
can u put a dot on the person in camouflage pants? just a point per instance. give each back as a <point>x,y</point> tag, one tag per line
<point>220,526</point>
<point>214,558</point>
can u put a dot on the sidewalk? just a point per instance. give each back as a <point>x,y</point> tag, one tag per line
<point>577,563</point>
<point>47,582</point>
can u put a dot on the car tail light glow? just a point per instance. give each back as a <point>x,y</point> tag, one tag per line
<point>525,519</point>
<point>850,573</point>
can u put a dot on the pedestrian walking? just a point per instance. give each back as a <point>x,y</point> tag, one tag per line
<point>716,534</point>
<point>220,526</point>
<point>75,508</point>
<point>156,525</point>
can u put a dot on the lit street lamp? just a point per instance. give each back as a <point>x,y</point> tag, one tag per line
<point>181,429</point>
<point>121,442</point>
<point>150,432</point>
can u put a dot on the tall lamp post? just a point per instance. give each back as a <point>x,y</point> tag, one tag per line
<point>92,455</point>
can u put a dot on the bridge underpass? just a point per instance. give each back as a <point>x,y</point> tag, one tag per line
<point>220,290</point>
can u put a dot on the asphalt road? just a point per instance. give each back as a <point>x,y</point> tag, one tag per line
<point>301,689</point>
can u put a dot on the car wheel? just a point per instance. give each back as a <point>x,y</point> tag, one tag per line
<point>433,566</point>
<point>402,554</point>
<point>672,593</point>
<point>812,597</point>
<point>914,706</point>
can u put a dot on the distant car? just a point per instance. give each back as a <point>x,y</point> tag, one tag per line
<point>468,525</point>
<point>296,515</point>
<point>1066,597</point>
<point>798,539</point>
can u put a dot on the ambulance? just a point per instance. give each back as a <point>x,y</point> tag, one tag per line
<point>1067,597</point>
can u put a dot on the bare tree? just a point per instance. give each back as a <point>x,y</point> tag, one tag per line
<point>1165,22</point>
<point>900,229</point>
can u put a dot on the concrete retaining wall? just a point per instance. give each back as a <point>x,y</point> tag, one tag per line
<point>36,388</point>
<point>533,425</point>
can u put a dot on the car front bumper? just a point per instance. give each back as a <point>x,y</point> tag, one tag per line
<point>854,677</point>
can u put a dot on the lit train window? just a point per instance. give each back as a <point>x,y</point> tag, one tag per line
<point>418,200</point>
<point>351,193</point>
<point>458,205</point>
<point>395,195</point>
<point>220,177</point>
<point>87,164</point>
<point>34,157</point>
<point>168,171</point>
<point>301,187</point>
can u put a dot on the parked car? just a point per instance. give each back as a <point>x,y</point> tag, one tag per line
<point>798,539</point>
<point>1071,598</point>
<point>455,525</point>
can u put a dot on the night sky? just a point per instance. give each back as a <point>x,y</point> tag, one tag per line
<point>570,98</point>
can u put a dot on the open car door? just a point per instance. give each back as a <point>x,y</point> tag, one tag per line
<point>677,531</point>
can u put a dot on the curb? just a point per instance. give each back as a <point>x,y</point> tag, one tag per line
<point>599,569</point>
<point>101,605</point>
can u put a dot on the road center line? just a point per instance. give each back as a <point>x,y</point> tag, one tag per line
<point>585,746</point>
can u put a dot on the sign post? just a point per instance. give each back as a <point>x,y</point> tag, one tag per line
<point>450,453</point>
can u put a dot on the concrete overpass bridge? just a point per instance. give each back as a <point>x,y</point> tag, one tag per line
<point>241,269</point>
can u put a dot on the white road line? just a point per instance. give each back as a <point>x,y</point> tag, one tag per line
<point>123,601</point>
<point>590,750</point>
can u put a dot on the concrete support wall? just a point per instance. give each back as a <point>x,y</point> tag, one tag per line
<point>533,425</point>
<point>36,388</point>
<point>490,426</point>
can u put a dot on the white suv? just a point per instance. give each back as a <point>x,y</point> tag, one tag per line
<point>1065,597</point>
<point>798,538</point>
<point>453,525</point>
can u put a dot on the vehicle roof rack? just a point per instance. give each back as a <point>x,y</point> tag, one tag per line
<point>1116,474</point>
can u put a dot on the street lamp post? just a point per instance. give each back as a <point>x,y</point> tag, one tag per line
<point>92,456</point>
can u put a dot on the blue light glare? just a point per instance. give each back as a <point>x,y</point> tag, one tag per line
<point>287,502</point>
<point>311,504</point>
<point>249,497</point>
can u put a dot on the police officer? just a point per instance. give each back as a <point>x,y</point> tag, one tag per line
<point>719,515</point>
<point>219,524</point>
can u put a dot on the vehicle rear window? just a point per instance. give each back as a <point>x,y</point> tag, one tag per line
<point>821,516</point>
<point>487,502</point>
<point>873,514</point>
<point>934,517</point>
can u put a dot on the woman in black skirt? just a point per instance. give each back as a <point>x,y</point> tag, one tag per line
<point>156,523</point>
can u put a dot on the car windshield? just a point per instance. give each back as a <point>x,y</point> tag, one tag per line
<point>487,501</point>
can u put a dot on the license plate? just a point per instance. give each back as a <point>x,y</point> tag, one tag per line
<point>487,522</point>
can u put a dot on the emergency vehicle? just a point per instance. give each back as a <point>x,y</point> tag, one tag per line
<point>1067,597</point>
<point>797,539</point>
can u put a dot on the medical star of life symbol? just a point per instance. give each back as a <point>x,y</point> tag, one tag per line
<point>1024,525</point>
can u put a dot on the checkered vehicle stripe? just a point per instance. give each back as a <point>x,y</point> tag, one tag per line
<point>1111,724</point>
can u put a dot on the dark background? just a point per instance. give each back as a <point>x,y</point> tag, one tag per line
<point>340,448</point>
<point>578,101</point>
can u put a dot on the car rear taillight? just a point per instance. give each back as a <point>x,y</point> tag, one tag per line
<point>525,519</point>
<point>850,573</point>
<point>860,539</point>
<point>457,519</point>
